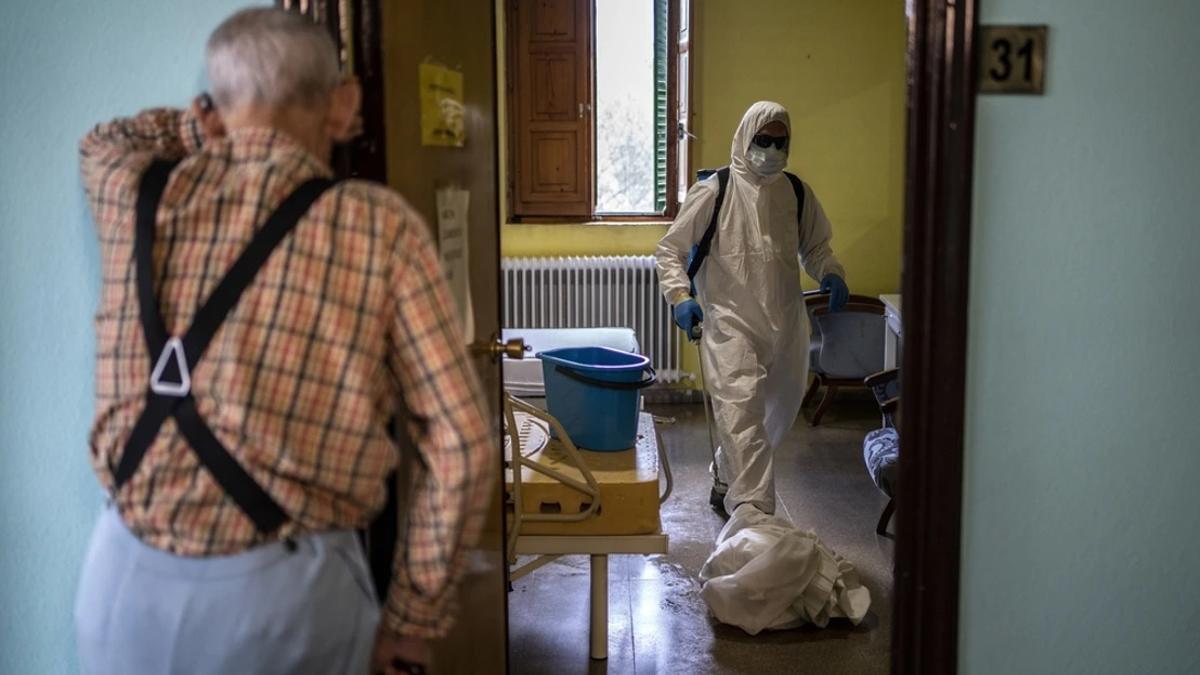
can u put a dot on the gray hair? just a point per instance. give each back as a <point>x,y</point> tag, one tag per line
<point>270,57</point>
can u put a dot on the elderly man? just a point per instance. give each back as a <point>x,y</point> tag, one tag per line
<point>748,230</point>
<point>259,325</point>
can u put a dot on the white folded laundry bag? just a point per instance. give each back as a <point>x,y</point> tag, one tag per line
<point>767,574</point>
<point>523,377</point>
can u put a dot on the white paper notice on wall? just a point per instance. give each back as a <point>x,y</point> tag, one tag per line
<point>453,231</point>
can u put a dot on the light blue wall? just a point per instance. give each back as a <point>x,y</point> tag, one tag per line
<point>64,65</point>
<point>1082,490</point>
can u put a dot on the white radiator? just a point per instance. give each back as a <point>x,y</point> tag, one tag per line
<point>594,292</point>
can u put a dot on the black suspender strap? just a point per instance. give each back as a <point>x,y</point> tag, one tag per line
<point>154,181</point>
<point>174,358</point>
<point>225,296</point>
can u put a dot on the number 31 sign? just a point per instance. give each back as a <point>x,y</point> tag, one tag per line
<point>1012,59</point>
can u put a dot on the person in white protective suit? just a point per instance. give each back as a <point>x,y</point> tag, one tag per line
<point>754,347</point>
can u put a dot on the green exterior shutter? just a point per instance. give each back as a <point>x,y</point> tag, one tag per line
<point>661,103</point>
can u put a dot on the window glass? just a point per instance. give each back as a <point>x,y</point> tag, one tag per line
<point>626,109</point>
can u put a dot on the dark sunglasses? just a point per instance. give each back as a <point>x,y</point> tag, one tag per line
<point>766,140</point>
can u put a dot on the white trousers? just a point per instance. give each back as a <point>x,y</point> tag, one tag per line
<point>756,397</point>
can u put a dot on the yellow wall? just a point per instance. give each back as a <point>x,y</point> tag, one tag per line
<point>839,68</point>
<point>576,239</point>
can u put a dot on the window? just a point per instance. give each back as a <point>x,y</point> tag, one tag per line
<point>597,111</point>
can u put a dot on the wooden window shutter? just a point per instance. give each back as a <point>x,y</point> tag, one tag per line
<point>550,103</point>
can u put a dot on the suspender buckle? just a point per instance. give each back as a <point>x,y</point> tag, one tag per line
<point>173,348</point>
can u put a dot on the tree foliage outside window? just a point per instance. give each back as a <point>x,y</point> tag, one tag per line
<point>624,160</point>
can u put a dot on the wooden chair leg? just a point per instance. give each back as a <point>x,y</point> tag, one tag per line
<point>885,518</point>
<point>812,391</point>
<point>830,392</point>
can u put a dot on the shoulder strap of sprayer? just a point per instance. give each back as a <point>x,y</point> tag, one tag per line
<point>798,188</point>
<point>700,252</point>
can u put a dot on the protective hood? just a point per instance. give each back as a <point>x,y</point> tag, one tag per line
<point>758,116</point>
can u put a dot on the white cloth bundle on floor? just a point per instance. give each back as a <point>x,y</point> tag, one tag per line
<point>768,574</point>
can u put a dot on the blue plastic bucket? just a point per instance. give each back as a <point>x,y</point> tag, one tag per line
<point>594,392</point>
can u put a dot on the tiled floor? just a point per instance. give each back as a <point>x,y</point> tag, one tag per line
<point>658,622</point>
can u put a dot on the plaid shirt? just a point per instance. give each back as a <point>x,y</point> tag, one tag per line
<point>349,322</point>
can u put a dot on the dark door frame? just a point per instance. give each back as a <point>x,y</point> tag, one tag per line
<point>937,249</point>
<point>355,26</point>
<point>941,134</point>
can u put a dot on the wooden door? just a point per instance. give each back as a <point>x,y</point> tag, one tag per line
<point>383,44</point>
<point>458,34</point>
<point>551,107</point>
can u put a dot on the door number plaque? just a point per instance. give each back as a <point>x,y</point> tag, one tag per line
<point>1012,59</point>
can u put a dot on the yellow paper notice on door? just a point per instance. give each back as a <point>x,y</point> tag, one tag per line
<point>441,106</point>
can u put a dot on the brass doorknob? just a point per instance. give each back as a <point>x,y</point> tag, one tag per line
<point>494,349</point>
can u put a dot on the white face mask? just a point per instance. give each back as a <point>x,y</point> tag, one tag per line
<point>766,161</point>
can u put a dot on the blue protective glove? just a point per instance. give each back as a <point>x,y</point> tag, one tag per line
<point>835,286</point>
<point>688,315</point>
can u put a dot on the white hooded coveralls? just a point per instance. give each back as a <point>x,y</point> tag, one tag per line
<point>755,339</point>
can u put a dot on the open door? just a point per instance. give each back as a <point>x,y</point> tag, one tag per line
<point>456,36</point>
<point>386,45</point>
